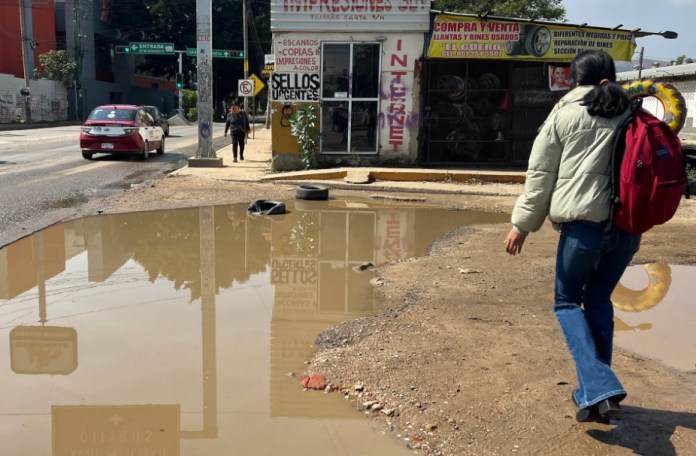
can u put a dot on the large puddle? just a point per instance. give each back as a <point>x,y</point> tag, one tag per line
<point>655,313</point>
<point>186,331</point>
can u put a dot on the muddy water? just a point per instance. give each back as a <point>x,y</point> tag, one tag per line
<point>655,313</point>
<point>185,332</point>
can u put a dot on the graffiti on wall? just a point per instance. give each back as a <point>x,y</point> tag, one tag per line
<point>48,103</point>
<point>397,118</point>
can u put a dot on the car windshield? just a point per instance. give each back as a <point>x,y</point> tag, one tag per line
<point>113,114</point>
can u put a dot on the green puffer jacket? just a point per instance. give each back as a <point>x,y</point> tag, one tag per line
<point>568,173</point>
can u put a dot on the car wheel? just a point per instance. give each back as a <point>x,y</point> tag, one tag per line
<point>160,149</point>
<point>166,132</point>
<point>512,47</point>
<point>146,151</point>
<point>538,41</point>
<point>87,155</point>
<point>312,192</point>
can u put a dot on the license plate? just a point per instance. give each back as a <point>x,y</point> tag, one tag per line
<point>107,146</point>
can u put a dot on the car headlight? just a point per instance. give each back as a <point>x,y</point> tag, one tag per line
<point>129,131</point>
<point>86,130</point>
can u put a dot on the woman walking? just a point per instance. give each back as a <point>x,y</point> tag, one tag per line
<point>238,125</point>
<point>568,180</point>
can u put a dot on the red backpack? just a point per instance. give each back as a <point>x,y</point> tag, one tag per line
<point>650,178</point>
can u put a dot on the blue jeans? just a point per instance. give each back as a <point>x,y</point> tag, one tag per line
<point>590,261</point>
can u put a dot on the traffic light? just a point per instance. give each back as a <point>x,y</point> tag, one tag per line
<point>238,54</point>
<point>123,49</point>
<point>179,80</point>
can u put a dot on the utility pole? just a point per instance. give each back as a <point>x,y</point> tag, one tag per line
<point>205,155</point>
<point>181,90</point>
<point>25,61</point>
<point>640,62</point>
<point>246,48</point>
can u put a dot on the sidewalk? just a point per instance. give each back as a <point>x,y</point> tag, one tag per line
<point>256,167</point>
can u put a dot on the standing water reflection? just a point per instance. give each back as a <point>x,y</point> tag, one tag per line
<point>176,332</point>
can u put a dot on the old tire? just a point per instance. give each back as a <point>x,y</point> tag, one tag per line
<point>538,41</point>
<point>672,100</point>
<point>660,279</point>
<point>312,192</point>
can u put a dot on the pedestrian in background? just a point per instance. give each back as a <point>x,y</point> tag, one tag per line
<point>568,180</point>
<point>238,125</point>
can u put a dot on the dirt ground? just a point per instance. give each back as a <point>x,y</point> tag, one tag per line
<point>473,363</point>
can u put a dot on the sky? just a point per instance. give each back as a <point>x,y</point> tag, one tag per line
<point>650,15</point>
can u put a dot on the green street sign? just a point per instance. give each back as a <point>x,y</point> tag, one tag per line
<point>151,48</point>
<point>219,53</point>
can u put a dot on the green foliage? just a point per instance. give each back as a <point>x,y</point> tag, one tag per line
<point>58,66</point>
<point>192,114</point>
<point>302,126</point>
<point>189,99</point>
<point>529,9</point>
<point>175,22</point>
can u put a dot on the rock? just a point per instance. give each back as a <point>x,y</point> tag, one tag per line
<point>314,381</point>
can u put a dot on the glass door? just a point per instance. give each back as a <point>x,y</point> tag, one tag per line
<point>350,96</point>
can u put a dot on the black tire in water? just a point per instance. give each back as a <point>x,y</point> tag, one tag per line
<point>312,192</point>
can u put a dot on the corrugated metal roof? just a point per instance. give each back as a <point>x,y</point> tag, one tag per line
<point>688,70</point>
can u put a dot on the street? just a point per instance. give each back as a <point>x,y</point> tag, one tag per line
<point>44,179</point>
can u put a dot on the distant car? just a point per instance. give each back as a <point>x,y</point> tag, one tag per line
<point>120,129</point>
<point>160,118</point>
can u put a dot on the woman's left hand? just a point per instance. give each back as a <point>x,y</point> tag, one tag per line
<point>513,242</point>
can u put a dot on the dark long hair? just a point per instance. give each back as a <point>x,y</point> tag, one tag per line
<point>607,98</point>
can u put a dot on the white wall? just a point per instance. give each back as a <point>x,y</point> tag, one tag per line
<point>49,100</point>
<point>399,82</point>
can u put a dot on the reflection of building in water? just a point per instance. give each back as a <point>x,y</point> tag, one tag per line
<point>26,262</point>
<point>316,254</point>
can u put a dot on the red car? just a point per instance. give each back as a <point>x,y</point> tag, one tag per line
<point>120,129</point>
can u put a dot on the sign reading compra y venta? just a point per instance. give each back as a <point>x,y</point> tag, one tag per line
<point>472,38</point>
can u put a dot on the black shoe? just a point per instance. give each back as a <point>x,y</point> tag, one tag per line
<point>603,412</point>
<point>242,158</point>
<point>609,408</point>
<point>235,160</point>
<point>590,415</point>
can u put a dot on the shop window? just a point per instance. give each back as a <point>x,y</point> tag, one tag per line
<point>350,97</point>
<point>483,112</point>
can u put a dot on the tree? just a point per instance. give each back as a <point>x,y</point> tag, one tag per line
<point>679,60</point>
<point>528,9</point>
<point>58,66</point>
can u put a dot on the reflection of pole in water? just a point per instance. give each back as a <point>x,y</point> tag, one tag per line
<point>206,227</point>
<point>41,274</point>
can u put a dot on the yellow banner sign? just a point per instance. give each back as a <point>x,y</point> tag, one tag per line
<point>471,38</point>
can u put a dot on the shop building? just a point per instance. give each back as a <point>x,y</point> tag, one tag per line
<point>358,62</point>
<point>399,85</point>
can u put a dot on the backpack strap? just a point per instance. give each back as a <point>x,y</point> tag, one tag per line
<point>617,151</point>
